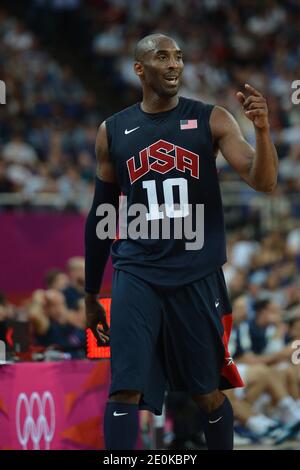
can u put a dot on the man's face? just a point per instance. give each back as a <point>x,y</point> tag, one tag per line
<point>55,306</point>
<point>162,68</point>
<point>76,274</point>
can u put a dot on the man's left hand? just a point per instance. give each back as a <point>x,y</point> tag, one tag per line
<point>255,107</point>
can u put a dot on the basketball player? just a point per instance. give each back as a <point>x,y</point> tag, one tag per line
<point>170,312</point>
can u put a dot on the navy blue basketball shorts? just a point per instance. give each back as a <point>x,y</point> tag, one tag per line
<point>170,339</point>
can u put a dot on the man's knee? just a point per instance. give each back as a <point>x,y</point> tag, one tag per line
<point>210,401</point>
<point>126,396</point>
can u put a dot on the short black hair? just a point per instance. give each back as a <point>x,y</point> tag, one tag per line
<point>147,44</point>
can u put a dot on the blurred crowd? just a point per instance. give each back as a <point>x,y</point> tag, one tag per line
<point>48,126</point>
<point>55,316</point>
<point>264,284</point>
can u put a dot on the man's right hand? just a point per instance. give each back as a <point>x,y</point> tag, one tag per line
<point>96,319</point>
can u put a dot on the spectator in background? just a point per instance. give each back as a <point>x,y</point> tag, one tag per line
<point>75,290</point>
<point>257,376</point>
<point>52,324</point>
<point>243,250</point>
<point>71,186</point>
<point>56,279</point>
<point>77,316</point>
<point>18,37</point>
<point>107,46</point>
<point>268,335</point>
<point>260,378</point>
<point>267,329</point>
<point>19,152</point>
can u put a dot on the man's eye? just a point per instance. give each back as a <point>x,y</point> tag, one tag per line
<point>162,57</point>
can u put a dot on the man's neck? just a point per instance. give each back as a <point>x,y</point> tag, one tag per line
<point>158,104</point>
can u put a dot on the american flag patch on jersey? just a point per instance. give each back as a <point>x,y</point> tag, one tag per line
<point>188,124</point>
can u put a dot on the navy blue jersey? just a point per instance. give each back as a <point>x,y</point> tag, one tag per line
<point>167,160</point>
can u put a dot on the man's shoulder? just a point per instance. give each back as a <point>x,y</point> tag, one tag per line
<point>195,104</point>
<point>123,113</point>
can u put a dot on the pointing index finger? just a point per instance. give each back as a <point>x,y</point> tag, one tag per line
<point>252,90</point>
<point>241,97</point>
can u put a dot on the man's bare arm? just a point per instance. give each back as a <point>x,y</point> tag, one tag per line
<point>259,166</point>
<point>105,169</point>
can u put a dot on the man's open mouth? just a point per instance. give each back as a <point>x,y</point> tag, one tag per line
<point>172,80</point>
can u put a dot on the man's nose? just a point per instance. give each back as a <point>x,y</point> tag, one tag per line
<point>173,63</point>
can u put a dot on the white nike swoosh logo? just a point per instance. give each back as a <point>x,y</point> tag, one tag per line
<point>217,304</point>
<point>119,414</point>
<point>131,130</point>
<point>215,421</point>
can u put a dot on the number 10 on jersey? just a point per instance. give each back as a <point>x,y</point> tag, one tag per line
<point>169,205</point>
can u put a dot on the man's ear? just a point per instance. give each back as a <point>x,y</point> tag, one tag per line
<point>138,68</point>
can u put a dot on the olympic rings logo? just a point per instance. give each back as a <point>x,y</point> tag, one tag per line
<point>35,426</point>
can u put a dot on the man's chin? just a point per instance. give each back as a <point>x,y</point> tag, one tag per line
<point>169,92</point>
